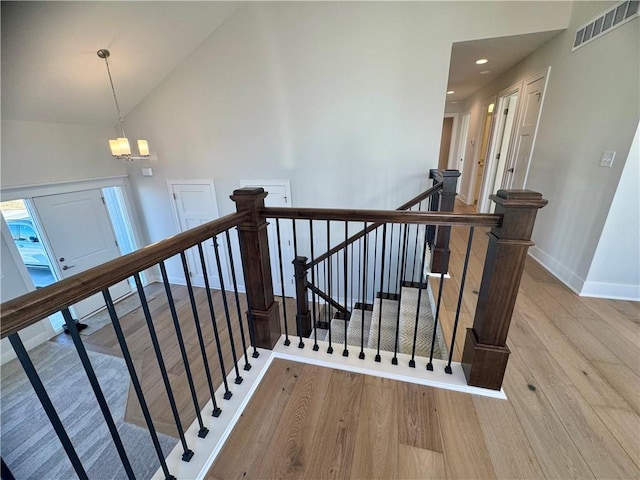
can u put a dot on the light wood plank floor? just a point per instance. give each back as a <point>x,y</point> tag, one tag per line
<point>573,387</point>
<point>139,343</point>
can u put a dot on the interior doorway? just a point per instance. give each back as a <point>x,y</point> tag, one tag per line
<point>445,143</point>
<point>487,123</point>
<point>462,146</point>
<point>499,147</point>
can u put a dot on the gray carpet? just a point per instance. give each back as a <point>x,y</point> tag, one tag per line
<point>28,443</point>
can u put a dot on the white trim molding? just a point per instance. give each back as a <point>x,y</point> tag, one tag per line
<point>616,291</point>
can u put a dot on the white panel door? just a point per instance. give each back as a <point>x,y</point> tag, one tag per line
<point>80,237</point>
<point>516,174</point>
<point>279,195</point>
<point>195,204</point>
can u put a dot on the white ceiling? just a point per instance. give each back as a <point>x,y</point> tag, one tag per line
<point>502,53</point>
<point>51,73</point>
<point>50,70</point>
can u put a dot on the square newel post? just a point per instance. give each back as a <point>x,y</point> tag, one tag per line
<point>303,316</point>
<point>254,249</point>
<point>485,354</point>
<point>440,252</point>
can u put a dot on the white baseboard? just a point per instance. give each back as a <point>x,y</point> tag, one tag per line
<point>464,199</point>
<point>8,353</point>
<point>617,291</point>
<point>557,269</point>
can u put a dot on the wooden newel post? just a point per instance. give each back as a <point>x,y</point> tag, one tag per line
<point>485,354</point>
<point>303,317</point>
<point>254,249</point>
<point>440,252</point>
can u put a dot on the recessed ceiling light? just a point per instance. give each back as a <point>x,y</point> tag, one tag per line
<point>450,92</point>
<point>484,72</point>
<point>481,61</point>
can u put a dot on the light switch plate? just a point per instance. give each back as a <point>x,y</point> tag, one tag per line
<point>607,159</point>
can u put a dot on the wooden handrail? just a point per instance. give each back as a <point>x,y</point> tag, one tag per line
<point>28,309</point>
<point>356,236</point>
<point>383,216</point>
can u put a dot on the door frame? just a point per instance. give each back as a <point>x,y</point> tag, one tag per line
<point>490,162</point>
<point>453,142</point>
<point>461,150</point>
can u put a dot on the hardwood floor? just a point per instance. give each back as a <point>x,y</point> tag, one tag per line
<point>573,388</point>
<point>144,358</point>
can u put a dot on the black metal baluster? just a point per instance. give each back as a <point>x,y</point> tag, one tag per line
<point>327,272</point>
<point>187,453</point>
<point>435,323</point>
<point>400,265</point>
<point>365,262</point>
<point>384,246</point>
<point>299,315</point>
<point>212,313</point>
<point>45,401</point>
<point>390,255</point>
<point>97,390</point>
<point>352,277</point>
<point>135,382</point>
<point>5,472</point>
<point>375,267</point>
<point>394,360</point>
<point>247,365</point>
<point>196,318</point>
<point>225,305</point>
<point>287,342</point>
<point>345,269</point>
<point>412,362</point>
<point>183,351</point>
<point>447,369</point>
<point>415,254</point>
<point>313,295</point>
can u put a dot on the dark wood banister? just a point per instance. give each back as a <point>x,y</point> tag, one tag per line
<point>356,236</point>
<point>32,307</point>
<point>383,216</point>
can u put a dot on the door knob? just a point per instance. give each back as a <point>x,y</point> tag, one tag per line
<point>62,259</point>
<point>67,267</point>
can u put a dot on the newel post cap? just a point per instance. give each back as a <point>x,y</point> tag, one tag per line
<point>519,199</point>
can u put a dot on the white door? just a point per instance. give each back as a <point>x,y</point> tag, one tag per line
<point>532,97</point>
<point>80,236</point>
<point>195,204</point>
<point>279,195</point>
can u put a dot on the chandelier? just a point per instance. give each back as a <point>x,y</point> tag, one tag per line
<point>120,147</point>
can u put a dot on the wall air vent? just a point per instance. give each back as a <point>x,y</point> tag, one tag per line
<point>612,18</point>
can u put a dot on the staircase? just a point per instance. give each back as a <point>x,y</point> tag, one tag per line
<point>371,319</point>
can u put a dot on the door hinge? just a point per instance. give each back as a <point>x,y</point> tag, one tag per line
<point>116,242</point>
<point>506,110</point>
<point>174,196</point>
<point>190,273</point>
<point>498,157</point>
<point>103,202</point>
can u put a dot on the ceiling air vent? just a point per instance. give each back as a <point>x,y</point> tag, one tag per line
<point>612,18</point>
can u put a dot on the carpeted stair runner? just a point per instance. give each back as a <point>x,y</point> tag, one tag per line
<point>388,320</point>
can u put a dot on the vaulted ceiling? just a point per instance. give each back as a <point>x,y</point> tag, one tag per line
<point>50,70</point>
<point>51,73</point>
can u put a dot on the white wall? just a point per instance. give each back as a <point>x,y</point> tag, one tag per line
<point>36,153</point>
<point>592,105</point>
<point>343,99</point>
<point>615,270</point>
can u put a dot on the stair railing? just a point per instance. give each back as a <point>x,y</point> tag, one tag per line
<point>440,197</point>
<point>483,358</point>
<point>221,315</point>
